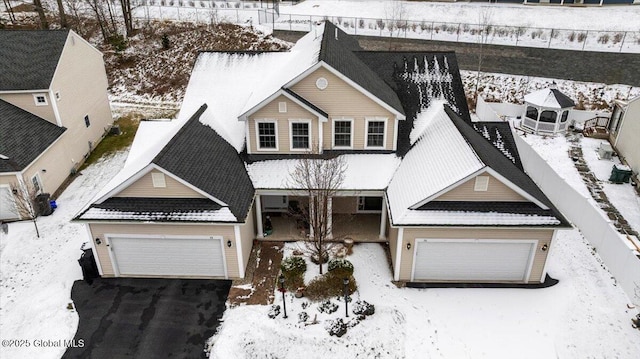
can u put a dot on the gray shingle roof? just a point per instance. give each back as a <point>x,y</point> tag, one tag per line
<point>528,208</point>
<point>337,50</point>
<point>198,155</point>
<point>28,58</point>
<point>563,100</point>
<point>23,137</point>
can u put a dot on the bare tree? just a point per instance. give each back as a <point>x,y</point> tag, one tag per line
<point>23,198</point>
<point>319,179</point>
<point>396,14</point>
<point>63,15</point>
<point>484,21</point>
<point>126,15</point>
<point>41,14</point>
<point>9,9</point>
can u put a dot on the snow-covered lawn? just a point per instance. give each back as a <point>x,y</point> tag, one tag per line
<point>585,315</point>
<point>36,274</point>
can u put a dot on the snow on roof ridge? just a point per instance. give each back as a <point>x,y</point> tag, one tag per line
<point>426,118</point>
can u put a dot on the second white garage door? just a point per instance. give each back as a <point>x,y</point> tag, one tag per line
<point>170,257</point>
<point>473,260</point>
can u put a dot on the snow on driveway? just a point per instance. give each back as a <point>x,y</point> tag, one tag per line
<point>36,274</point>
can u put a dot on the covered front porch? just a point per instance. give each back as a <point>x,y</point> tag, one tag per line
<point>361,218</point>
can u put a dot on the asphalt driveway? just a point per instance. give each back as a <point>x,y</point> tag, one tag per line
<point>147,318</point>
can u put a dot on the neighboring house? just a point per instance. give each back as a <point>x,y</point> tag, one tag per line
<point>53,108</point>
<point>450,197</point>
<point>624,128</point>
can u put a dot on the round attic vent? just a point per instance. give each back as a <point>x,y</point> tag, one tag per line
<point>322,83</point>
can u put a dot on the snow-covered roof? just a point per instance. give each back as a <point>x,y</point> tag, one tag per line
<point>462,218</point>
<point>550,97</point>
<point>220,215</point>
<point>439,158</point>
<point>363,172</point>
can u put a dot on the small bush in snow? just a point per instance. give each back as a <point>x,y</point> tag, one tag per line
<point>340,267</point>
<point>293,266</point>
<point>303,317</point>
<point>305,305</point>
<point>364,308</point>
<point>336,327</point>
<point>327,307</point>
<point>274,311</point>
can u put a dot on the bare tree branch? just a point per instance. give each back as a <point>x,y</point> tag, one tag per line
<point>23,197</point>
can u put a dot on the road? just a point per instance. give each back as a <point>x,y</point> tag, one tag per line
<point>605,67</point>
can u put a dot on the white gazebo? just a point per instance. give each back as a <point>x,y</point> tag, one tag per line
<point>546,111</point>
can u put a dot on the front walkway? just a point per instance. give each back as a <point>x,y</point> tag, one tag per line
<point>259,283</point>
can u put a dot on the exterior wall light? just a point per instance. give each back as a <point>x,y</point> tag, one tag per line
<point>98,241</point>
<point>409,246</point>
<point>544,247</point>
<point>229,244</point>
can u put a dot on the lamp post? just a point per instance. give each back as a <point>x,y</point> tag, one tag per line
<point>284,302</point>
<point>346,295</point>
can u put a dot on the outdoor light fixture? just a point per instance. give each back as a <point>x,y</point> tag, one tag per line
<point>229,244</point>
<point>346,295</point>
<point>44,170</point>
<point>544,247</point>
<point>98,241</point>
<point>409,246</point>
<point>284,302</point>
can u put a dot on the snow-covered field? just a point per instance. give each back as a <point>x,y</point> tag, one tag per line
<point>36,274</point>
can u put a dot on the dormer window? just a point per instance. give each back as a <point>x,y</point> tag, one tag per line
<point>40,99</point>
<point>343,133</point>
<point>375,136</point>
<point>267,135</point>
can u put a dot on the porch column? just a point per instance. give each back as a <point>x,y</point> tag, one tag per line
<point>330,218</point>
<point>383,219</point>
<point>259,216</point>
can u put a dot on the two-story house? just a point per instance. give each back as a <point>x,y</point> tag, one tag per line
<point>449,196</point>
<point>53,108</point>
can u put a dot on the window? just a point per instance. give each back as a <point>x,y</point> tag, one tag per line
<point>565,115</point>
<point>299,135</point>
<point>158,180</point>
<point>342,133</point>
<point>548,116</point>
<point>482,184</point>
<point>267,135</point>
<point>375,133</point>
<point>370,204</point>
<point>532,113</point>
<point>40,99</point>
<point>282,107</point>
<point>37,185</point>
<point>86,121</point>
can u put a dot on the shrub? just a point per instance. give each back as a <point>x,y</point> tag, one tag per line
<point>341,268</point>
<point>327,307</point>
<point>603,39</point>
<point>336,327</point>
<point>361,24</point>
<point>274,311</point>
<point>327,286</point>
<point>303,317</point>
<point>118,42</point>
<point>293,266</point>
<point>363,308</point>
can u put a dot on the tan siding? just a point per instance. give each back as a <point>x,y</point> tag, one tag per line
<point>270,112</point>
<point>497,191</point>
<point>143,187</point>
<point>344,204</point>
<point>541,235</point>
<point>100,230</point>
<point>627,141</point>
<point>339,99</point>
<point>247,234</point>
<point>26,102</point>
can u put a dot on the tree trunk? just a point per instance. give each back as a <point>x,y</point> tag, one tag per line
<point>126,14</point>
<point>12,16</point>
<point>37,230</point>
<point>63,15</point>
<point>43,17</point>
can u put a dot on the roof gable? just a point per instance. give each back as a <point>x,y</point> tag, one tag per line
<point>201,157</point>
<point>550,97</point>
<point>23,137</point>
<point>29,58</point>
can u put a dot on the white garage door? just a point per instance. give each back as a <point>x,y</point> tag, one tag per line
<point>7,207</point>
<point>473,260</point>
<point>161,256</point>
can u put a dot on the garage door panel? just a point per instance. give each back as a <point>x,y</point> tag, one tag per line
<point>473,260</point>
<point>168,256</point>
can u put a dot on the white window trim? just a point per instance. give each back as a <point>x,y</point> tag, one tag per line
<point>366,133</point>
<point>158,180</point>
<point>481,184</point>
<point>291,122</point>
<point>258,148</point>
<point>35,99</point>
<point>333,133</point>
<point>282,107</point>
<point>39,180</point>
